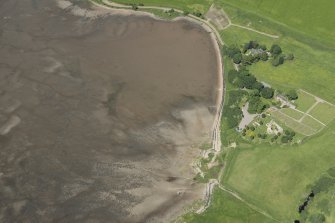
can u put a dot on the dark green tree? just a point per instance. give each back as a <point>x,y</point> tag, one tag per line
<point>258,85</point>
<point>292,95</point>
<point>237,58</point>
<point>275,50</point>
<point>278,60</point>
<point>267,92</point>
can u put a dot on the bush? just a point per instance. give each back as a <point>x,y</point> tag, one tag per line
<point>267,92</point>
<point>230,51</point>
<point>278,60</point>
<point>275,50</point>
<point>237,58</point>
<point>292,95</point>
<point>258,85</point>
<point>252,128</point>
<point>323,184</point>
<point>331,172</point>
<point>232,76</point>
<point>263,115</point>
<point>256,105</point>
<point>317,218</point>
<point>186,13</point>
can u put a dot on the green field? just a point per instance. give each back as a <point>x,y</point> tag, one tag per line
<point>292,113</point>
<point>311,18</point>
<point>275,177</point>
<point>227,209</point>
<point>324,112</point>
<point>307,120</point>
<point>305,101</point>
<point>293,124</point>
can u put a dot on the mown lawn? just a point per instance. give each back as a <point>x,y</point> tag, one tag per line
<point>305,101</point>
<point>292,113</point>
<point>324,112</point>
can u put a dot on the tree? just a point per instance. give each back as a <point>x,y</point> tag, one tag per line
<point>267,92</point>
<point>249,81</point>
<point>258,85</point>
<point>230,51</point>
<point>292,95</point>
<point>256,105</point>
<point>278,60</point>
<point>232,75</point>
<point>275,50</point>
<point>237,58</point>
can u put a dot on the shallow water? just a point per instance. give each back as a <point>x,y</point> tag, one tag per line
<point>99,118</point>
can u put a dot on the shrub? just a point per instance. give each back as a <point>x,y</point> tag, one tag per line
<point>263,115</point>
<point>267,92</point>
<point>278,60</point>
<point>275,50</point>
<point>292,95</point>
<point>323,184</point>
<point>237,58</point>
<point>252,128</point>
<point>331,172</point>
<point>317,218</point>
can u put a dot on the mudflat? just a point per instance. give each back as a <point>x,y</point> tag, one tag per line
<point>101,114</point>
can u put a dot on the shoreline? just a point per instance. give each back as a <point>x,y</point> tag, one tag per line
<point>215,131</point>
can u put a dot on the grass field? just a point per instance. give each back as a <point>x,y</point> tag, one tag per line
<point>311,18</point>
<point>292,113</point>
<point>312,69</point>
<point>293,124</point>
<point>227,209</point>
<point>308,121</point>
<point>275,177</point>
<point>324,112</point>
<point>305,101</point>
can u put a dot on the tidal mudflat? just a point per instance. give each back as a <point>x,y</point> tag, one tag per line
<point>101,114</point>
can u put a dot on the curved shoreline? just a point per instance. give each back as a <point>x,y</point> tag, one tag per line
<point>217,42</point>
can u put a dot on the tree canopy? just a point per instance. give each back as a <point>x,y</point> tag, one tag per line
<point>267,92</point>
<point>292,95</point>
